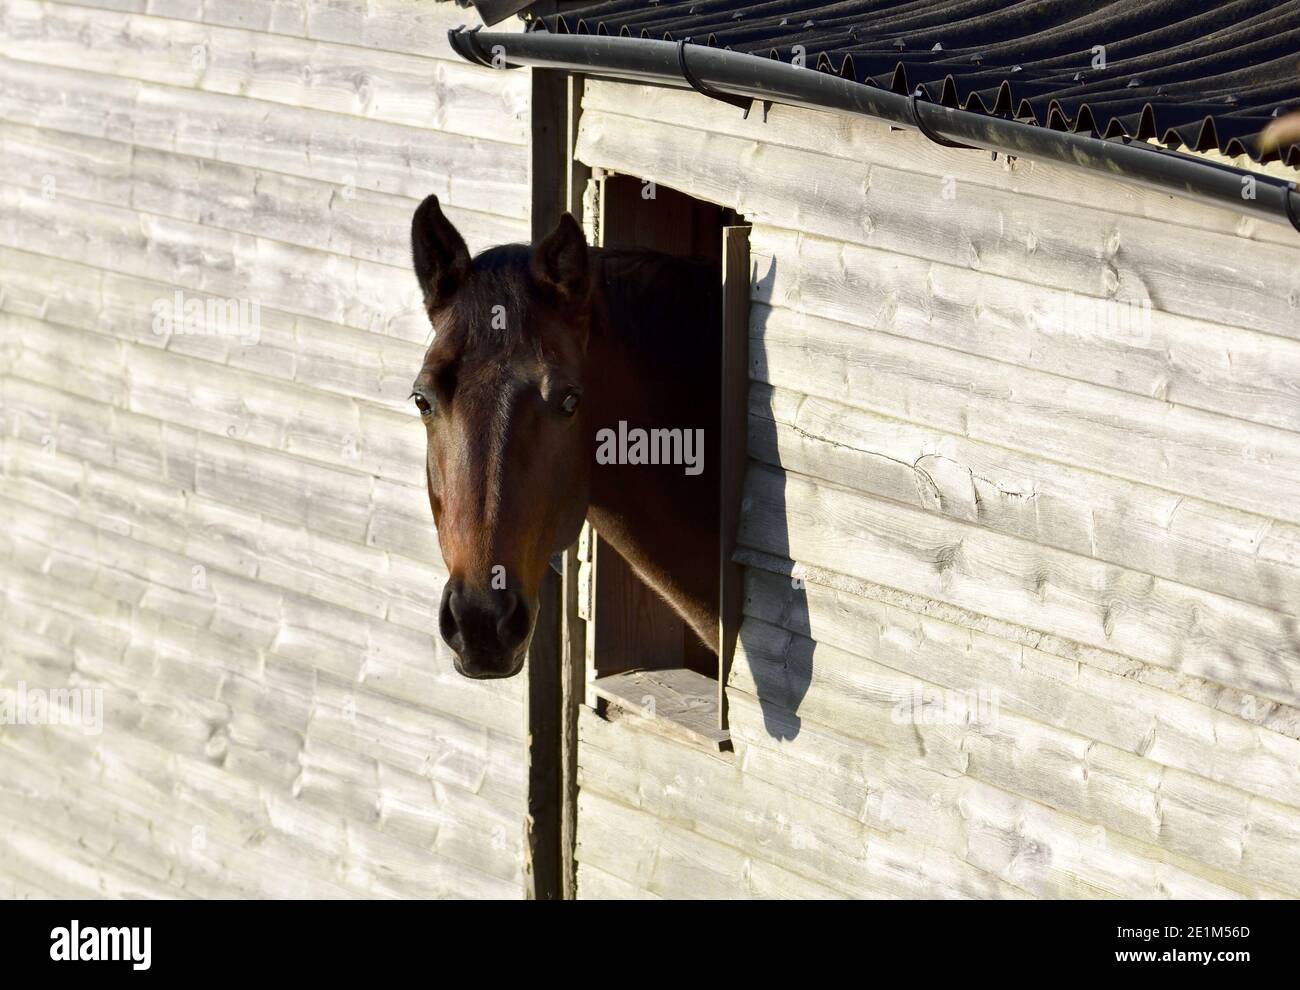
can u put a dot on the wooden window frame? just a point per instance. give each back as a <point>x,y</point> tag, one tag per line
<point>635,650</point>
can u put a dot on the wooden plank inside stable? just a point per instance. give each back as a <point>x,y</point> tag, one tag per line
<point>732,446</point>
<point>678,702</point>
<point>634,627</point>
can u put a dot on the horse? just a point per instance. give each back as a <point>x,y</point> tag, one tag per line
<point>542,355</point>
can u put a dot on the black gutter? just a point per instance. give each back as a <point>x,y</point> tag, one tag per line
<point>724,74</point>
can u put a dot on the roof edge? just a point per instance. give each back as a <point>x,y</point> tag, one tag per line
<point>737,76</point>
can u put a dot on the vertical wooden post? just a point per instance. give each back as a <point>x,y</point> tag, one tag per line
<point>550,178</point>
<point>545,655</point>
<point>573,694</point>
<point>573,680</point>
<point>557,659</point>
<point>578,173</point>
<point>733,446</point>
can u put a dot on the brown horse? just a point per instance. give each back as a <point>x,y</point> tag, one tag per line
<point>542,355</point>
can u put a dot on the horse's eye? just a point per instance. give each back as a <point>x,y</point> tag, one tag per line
<point>422,404</point>
<point>569,404</point>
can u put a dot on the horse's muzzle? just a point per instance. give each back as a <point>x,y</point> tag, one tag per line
<point>488,628</point>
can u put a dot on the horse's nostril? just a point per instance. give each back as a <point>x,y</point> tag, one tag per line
<point>449,614</point>
<point>512,626</point>
<point>506,604</point>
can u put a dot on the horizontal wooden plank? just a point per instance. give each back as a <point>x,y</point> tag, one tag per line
<point>594,884</point>
<point>1072,596</point>
<point>682,703</point>
<point>958,734</point>
<point>385,25</point>
<point>365,579</point>
<point>227,402</point>
<point>1254,709</point>
<point>1148,441</point>
<point>104,573</point>
<point>339,503</point>
<point>648,853</point>
<point>351,152</point>
<point>439,94</point>
<point>1064,692</point>
<point>1107,342</point>
<point>350,221</point>
<point>1031,846</point>
<point>394,731</point>
<point>232,266</point>
<point>158,689</point>
<point>1210,276</point>
<point>1188,541</point>
<point>868,142</point>
<point>314,353</point>
<point>119,824</point>
<point>64,868</point>
<point>686,785</point>
<point>163,816</point>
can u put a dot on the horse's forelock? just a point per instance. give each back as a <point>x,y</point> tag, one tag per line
<point>491,309</point>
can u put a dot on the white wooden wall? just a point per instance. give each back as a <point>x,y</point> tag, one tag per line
<point>233,540</point>
<point>1102,531</point>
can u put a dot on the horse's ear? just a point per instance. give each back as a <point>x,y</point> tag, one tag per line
<point>438,252</point>
<point>559,265</point>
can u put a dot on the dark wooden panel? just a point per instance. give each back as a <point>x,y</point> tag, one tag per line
<point>546,877</point>
<point>634,627</point>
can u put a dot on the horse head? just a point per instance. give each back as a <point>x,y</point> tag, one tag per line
<point>500,394</point>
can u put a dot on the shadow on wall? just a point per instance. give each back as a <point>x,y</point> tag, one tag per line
<point>774,645</point>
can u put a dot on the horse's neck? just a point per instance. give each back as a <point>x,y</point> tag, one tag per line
<point>652,356</point>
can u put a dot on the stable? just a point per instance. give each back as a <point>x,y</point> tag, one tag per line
<point>1010,372</point>
<point>1010,411</point>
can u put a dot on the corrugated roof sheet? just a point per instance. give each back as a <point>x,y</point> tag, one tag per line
<point>1205,76</point>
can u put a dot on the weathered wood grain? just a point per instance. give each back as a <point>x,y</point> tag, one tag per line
<point>288,348</point>
<point>868,143</point>
<point>437,94</point>
<point>1029,845</point>
<point>220,468</point>
<point>351,152</point>
<point>362,294</point>
<point>1064,331</point>
<point>958,735</point>
<point>111,574</point>
<point>379,25</point>
<point>1099,704</point>
<point>679,702</point>
<point>233,403</point>
<point>685,785</point>
<point>1133,613</point>
<point>1212,276</point>
<point>349,221</point>
<point>594,884</point>
<point>230,536</point>
<point>1186,540</point>
<point>1186,451</point>
<point>657,856</point>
